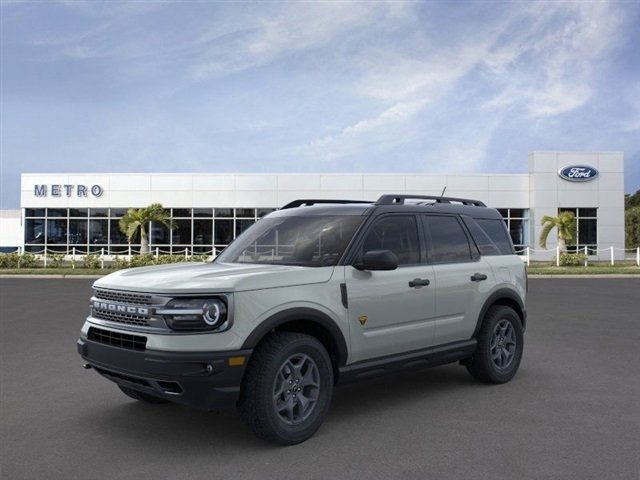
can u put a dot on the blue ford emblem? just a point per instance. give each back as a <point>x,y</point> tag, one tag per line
<point>578,173</point>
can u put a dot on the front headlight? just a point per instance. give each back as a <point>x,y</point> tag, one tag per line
<point>195,314</point>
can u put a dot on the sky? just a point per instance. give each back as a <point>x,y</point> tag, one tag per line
<point>431,87</point>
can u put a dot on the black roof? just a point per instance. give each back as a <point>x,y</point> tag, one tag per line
<point>391,203</point>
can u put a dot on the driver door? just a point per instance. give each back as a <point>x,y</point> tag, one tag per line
<point>387,315</point>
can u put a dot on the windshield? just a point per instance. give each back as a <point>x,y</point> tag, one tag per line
<point>309,241</point>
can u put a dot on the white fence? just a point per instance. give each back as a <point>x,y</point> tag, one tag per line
<point>630,254</point>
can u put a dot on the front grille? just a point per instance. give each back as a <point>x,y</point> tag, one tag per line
<point>117,339</point>
<point>127,318</point>
<point>123,297</point>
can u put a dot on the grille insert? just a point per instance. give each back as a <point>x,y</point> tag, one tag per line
<point>117,339</point>
<point>124,297</point>
<point>127,318</point>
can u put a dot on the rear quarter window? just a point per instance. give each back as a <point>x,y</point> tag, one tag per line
<point>496,231</point>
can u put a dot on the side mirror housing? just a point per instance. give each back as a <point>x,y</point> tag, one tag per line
<point>377,260</point>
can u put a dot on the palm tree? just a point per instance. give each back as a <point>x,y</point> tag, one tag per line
<point>136,220</point>
<point>565,222</point>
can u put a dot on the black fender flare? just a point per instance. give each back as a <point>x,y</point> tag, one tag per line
<point>304,314</point>
<point>502,293</point>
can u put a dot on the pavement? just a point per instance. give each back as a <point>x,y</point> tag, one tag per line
<point>571,412</point>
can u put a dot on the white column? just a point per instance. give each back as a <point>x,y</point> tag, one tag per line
<point>45,258</point>
<point>638,256</point>
<point>102,257</point>
<point>528,256</point>
<point>157,252</point>
<point>557,256</point>
<point>186,253</point>
<point>586,256</point>
<point>73,258</point>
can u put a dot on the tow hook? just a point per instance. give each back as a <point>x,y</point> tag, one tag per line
<point>86,366</point>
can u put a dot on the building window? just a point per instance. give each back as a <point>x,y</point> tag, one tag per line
<point>586,230</point>
<point>517,221</point>
<point>199,230</point>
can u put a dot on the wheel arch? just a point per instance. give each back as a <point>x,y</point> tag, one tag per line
<point>506,297</point>
<point>304,320</point>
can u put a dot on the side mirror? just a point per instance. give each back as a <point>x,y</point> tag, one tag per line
<point>377,260</point>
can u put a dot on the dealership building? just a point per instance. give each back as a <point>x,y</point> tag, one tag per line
<point>79,212</point>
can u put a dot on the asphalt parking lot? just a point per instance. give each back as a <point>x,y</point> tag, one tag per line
<point>573,410</point>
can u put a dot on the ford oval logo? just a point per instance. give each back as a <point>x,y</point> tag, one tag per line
<point>578,173</point>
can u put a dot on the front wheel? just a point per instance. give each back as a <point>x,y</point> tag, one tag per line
<point>500,345</point>
<point>287,388</point>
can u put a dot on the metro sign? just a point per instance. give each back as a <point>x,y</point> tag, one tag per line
<point>59,190</point>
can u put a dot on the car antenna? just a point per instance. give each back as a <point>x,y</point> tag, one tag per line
<point>443,190</point>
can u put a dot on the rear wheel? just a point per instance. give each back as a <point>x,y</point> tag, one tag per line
<point>500,345</point>
<point>287,388</point>
<point>141,396</point>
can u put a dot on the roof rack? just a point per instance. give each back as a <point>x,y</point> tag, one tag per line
<point>399,200</point>
<point>308,202</point>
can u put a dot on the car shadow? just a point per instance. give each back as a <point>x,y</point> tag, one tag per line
<point>186,430</point>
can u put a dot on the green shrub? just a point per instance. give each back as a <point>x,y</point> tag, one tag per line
<point>572,259</point>
<point>121,262</point>
<point>8,260</point>
<point>55,260</point>
<point>142,260</point>
<point>91,261</point>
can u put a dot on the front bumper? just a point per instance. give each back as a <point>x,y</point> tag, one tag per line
<point>203,380</point>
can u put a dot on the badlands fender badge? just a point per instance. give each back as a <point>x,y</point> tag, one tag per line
<point>362,319</point>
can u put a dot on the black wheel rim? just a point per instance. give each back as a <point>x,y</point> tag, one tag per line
<point>503,344</point>
<point>296,389</point>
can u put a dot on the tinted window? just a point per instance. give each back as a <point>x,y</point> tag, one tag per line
<point>497,232</point>
<point>446,240</point>
<point>484,243</point>
<point>398,234</point>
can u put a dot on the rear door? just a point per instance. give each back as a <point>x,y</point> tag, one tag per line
<point>462,278</point>
<point>391,311</point>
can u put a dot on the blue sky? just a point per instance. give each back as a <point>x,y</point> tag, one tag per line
<point>314,87</point>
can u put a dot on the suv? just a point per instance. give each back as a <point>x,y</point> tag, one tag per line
<point>317,293</point>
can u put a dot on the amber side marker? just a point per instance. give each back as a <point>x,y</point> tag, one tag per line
<point>236,361</point>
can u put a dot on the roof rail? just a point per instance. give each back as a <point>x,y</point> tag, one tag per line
<point>308,202</point>
<point>399,200</point>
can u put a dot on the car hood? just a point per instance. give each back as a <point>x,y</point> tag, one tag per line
<point>191,277</point>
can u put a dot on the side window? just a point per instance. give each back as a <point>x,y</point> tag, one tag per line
<point>497,232</point>
<point>446,240</point>
<point>484,243</point>
<point>398,233</point>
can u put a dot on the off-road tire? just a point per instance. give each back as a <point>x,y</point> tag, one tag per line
<point>141,396</point>
<point>481,365</point>
<point>257,405</point>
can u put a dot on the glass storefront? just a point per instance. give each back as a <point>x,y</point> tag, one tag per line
<point>199,230</point>
<point>517,222</point>
<point>586,230</point>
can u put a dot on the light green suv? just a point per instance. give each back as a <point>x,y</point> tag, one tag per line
<point>317,293</point>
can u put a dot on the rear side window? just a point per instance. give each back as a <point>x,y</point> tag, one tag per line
<point>484,243</point>
<point>446,240</point>
<point>398,234</point>
<point>497,232</point>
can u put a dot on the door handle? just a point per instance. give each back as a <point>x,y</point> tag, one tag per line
<point>478,277</point>
<point>419,282</point>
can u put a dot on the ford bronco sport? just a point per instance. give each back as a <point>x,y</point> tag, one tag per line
<point>317,293</point>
